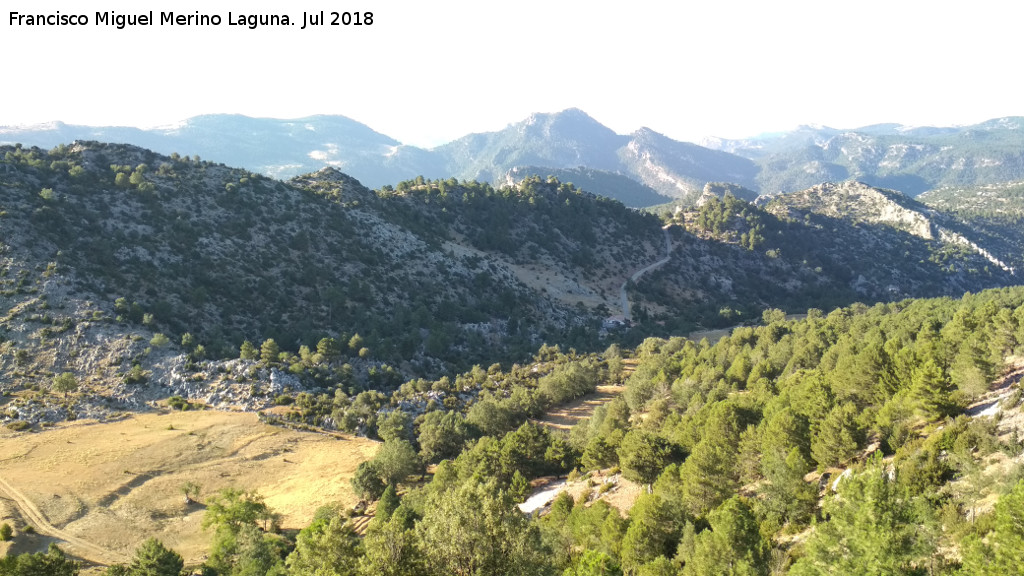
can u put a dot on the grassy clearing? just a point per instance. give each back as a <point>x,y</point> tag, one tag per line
<point>117,483</point>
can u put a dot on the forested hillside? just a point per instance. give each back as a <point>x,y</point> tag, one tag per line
<point>744,443</point>
<point>109,248</point>
<point>228,255</point>
<point>823,247</point>
<point>833,444</point>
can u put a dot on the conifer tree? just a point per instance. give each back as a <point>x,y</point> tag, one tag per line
<point>931,389</point>
<point>838,437</point>
<point>732,547</point>
<point>709,475</point>
<point>269,351</point>
<point>870,526</point>
<point>247,351</point>
<point>153,559</point>
<point>327,547</point>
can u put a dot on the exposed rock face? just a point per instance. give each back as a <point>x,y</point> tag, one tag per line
<point>859,202</point>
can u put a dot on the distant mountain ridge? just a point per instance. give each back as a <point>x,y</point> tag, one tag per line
<point>910,159</point>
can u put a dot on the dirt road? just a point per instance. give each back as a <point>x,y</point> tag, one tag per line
<point>623,297</point>
<point>76,546</point>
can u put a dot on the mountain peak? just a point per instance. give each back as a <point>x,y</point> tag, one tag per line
<point>568,121</point>
<point>573,114</point>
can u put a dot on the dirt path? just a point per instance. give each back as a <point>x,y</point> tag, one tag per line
<point>1001,389</point>
<point>81,548</point>
<point>636,275</point>
<point>568,415</point>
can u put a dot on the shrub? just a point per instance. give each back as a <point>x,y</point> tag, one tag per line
<point>19,425</point>
<point>179,403</point>
<point>6,532</point>
<point>136,375</point>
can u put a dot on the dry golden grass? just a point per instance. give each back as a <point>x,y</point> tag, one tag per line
<point>115,484</point>
<point>569,414</point>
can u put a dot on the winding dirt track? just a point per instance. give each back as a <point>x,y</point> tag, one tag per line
<point>623,297</point>
<point>81,548</point>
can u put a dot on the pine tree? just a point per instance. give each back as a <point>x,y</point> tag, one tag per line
<point>709,475</point>
<point>247,351</point>
<point>653,531</point>
<point>388,503</point>
<point>390,549</point>
<point>593,563</point>
<point>870,526</point>
<point>152,558</point>
<point>1000,551</point>
<point>732,547</point>
<point>327,547</point>
<point>931,389</point>
<point>269,351</point>
<point>786,497</point>
<point>838,437</point>
<point>643,456</point>
<point>52,563</point>
<point>477,530</point>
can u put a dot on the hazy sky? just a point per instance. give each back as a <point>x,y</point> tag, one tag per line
<point>426,71</point>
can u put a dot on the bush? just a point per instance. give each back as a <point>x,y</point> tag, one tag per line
<point>6,532</point>
<point>179,403</point>
<point>136,375</point>
<point>19,425</point>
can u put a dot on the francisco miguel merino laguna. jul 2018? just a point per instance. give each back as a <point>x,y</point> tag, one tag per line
<point>251,21</point>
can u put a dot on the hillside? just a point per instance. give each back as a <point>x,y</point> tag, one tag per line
<point>108,243</point>
<point>680,169</point>
<point>608,184</point>
<point>1001,199</point>
<point>821,247</point>
<point>146,276</point>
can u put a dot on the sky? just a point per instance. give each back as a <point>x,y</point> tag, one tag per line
<point>427,72</point>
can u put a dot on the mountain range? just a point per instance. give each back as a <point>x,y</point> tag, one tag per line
<point>641,169</point>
